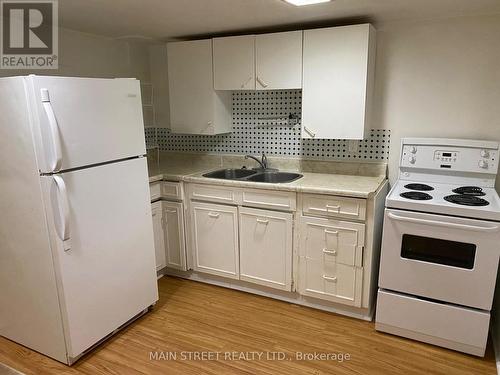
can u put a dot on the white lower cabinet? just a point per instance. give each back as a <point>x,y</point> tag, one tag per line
<point>173,234</point>
<point>331,260</point>
<point>157,213</point>
<point>266,247</point>
<point>215,239</point>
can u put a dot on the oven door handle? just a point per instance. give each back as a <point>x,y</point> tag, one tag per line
<point>443,224</point>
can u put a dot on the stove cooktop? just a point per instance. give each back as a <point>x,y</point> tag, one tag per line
<point>446,199</point>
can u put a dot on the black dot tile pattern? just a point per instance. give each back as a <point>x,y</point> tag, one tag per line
<point>253,133</point>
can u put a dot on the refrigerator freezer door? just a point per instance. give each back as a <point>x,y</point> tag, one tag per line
<point>85,121</point>
<point>106,263</point>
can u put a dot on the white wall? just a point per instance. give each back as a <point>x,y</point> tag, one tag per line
<point>438,78</point>
<point>87,55</point>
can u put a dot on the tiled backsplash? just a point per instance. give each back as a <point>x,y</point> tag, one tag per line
<point>253,133</point>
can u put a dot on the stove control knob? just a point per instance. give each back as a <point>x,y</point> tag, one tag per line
<point>485,154</point>
<point>483,164</point>
<point>412,159</point>
<point>413,149</point>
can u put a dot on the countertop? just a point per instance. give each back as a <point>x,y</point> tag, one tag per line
<point>312,182</point>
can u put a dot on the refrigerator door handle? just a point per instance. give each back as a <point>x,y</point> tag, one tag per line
<point>54,130</point>
<point>63,232</point>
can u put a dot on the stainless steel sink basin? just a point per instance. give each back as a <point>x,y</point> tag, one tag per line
<point>230,174</point>
<point>274,177</point>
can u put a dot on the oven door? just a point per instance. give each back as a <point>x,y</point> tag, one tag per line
<point>439,257</point>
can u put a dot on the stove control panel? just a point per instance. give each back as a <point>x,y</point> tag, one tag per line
<point>462,157</point>
<point>446,156</point>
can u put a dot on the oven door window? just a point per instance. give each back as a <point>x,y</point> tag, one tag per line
<point>433,250</point>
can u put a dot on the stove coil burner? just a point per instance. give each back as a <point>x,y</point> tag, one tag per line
<point>416,195</point>
<point>466,200</point>
<point>419,187</point>
<point>474,191</point>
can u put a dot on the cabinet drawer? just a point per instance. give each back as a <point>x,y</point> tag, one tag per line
<point>213,193</point>
<point>275,200</point>
<point>331,281</point>
<point>324,205</point>
<point>155,190</point>
<point>171,190</point>
<point>332,240</point>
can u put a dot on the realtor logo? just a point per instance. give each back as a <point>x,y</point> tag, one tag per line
<point>29,34</point>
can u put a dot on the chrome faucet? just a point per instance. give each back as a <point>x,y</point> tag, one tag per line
<point>262,162</point>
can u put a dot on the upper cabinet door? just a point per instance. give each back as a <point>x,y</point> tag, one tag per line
<point>338,76</point>
<point>234,63</point>
<point>195,107</point>
<point>278,59</point>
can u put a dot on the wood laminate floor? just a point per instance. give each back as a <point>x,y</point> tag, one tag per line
<point>194,317</point>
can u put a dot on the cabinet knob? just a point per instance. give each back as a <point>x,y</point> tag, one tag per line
<point>246,82</point>
<point>309,131</point>
<point>262,83</point>
<point>213,214</point>
<point>330,252</point>
<point>329,278</point>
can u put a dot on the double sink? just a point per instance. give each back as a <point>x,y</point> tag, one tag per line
<point>259,175</point>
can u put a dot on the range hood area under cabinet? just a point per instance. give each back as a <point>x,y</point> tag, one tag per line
<point>333,66</point>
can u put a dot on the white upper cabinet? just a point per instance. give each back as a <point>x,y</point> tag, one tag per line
<point>278,61</point>
<point>195,107</point>
<point>234,59</point>
<point>262,62</point>
<point>338,71</point>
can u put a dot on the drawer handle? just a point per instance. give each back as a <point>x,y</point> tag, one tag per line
<point>263,221</point>
<point>213,214</point>
<point>332,232</point>
<point>330,252</point>
<point>329,278</point>
<point>332,208</point>
<point>171,211</point>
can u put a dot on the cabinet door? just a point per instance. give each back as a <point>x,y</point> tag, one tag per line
<point>195,107</point>
<point>157,213</point>
<point>234,63</point>
<point>331,260</point>
<point>278,59</point>
<point>338,67</point>
<point>266,248</point>
<point>173,228</point>
<point>215,239</point>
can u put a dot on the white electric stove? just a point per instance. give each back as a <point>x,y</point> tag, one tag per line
<point>441,244</point>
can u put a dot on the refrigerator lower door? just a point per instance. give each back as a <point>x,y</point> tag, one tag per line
<point>100,225</point>
<point>77,119</point>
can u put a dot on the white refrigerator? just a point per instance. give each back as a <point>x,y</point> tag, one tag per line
<point>76,240</point>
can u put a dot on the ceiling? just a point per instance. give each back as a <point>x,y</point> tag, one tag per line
<point>170,19</point>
